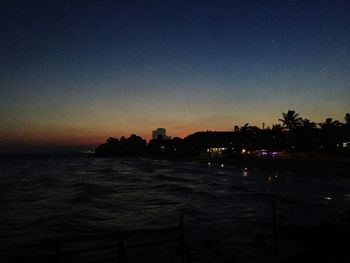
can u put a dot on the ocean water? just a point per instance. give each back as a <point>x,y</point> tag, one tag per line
<point>62,196</point>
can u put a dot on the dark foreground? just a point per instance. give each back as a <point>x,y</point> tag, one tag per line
<point>288,244</point>
<point>76,204</point>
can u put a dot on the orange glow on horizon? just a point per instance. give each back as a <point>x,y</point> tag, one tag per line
<point>93,134</point>
<point>79,136</point>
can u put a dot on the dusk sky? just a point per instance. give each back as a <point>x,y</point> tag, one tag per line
<point>77,72</point>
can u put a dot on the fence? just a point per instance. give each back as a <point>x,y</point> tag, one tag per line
<point>111,247</point>
<point>97,248</point>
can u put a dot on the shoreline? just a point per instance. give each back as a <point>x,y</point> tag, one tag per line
<point>311,166</point>
<point>320,165</point>
<point>326,166</point>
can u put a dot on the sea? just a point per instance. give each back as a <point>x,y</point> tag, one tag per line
<point>50,196</point>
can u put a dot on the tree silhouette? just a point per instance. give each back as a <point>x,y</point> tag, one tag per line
<point>304,136</point>
<point>331,132</point>
<point>277,127</point>
<point>346,128</point>
<point>134,145</point>
<point>308,124</point>
<point>291,120</point>
<point>330,124</point>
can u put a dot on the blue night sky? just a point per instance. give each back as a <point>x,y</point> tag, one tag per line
<point>77,72</point>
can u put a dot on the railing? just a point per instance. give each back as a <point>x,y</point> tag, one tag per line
<point>112,247</point>
<point>90,249</point>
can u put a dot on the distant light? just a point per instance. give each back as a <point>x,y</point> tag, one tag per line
<point>222,165</point>
<point>88,152</point>
<point>209,163</point>
<point>244,150</point>
<point>245,171</point>
<point>264,153</point>
<point>328,198</point>
<point>346,144</point>
<point>216,149</point>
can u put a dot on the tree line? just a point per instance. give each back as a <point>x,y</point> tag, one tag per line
<point>294,133</point>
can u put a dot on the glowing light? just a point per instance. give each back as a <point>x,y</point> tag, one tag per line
<point>222,165</point>
<point>216,150</point>
<point>244,150</point>
<point>346,144</point>
<point>245,171</point>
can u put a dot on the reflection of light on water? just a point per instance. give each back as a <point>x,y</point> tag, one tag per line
<point>245,171</point>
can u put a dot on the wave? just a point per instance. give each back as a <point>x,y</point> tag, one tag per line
<point>65,195</point>
<point>102,170</point>
<point>88,192</point>
<point>173,188</point>
<point>173,178</point>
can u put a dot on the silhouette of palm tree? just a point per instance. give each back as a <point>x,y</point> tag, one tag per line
<point>291,120</point>
<point>331,132</point>
<point>347,118</point>
<point>330,124</point>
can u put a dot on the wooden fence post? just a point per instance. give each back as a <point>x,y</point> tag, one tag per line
<point>182,239</point>
<point>58,251</point>
<point>22,257</point>
<point>274,223</point>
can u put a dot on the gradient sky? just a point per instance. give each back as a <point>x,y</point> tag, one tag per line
<point>77,72</point>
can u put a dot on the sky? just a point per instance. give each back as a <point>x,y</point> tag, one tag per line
<point>73,73</point>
